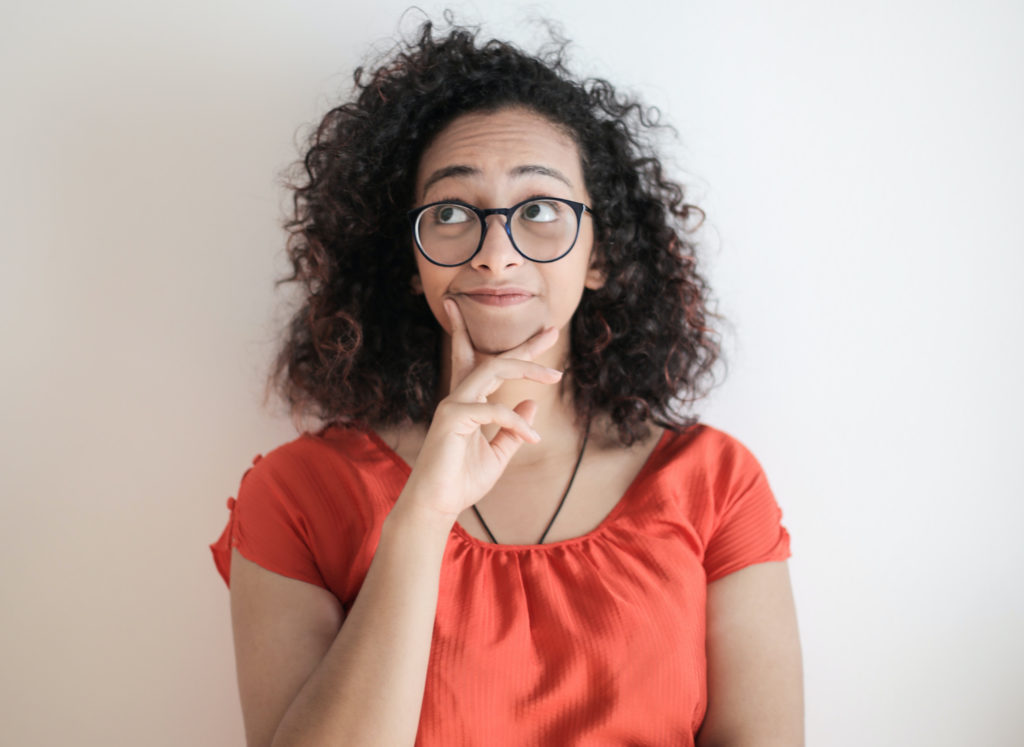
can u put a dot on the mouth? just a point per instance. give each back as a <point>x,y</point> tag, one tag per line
<point>497,296</point>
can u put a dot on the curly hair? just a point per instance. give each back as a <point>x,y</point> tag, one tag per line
<point>360,349</point>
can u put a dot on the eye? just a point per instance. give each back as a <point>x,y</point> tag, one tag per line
<point>541,211</point>
<point>450,214</point>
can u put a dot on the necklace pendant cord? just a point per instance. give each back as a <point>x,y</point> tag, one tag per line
<point>572,477</point>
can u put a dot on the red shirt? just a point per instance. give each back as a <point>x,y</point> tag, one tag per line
<point>595,640</point>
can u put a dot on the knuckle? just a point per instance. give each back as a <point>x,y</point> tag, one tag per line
<point>445,409</point>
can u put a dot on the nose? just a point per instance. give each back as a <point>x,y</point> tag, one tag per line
<point>497,253</point>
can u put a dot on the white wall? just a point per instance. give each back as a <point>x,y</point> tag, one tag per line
<point>862,169</point>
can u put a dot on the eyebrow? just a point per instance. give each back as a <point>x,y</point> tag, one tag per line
<point>519,171</point>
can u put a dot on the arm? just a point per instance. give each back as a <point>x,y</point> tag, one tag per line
<point>755,679</point>
<point>304,678</point>
<point>308,676</point>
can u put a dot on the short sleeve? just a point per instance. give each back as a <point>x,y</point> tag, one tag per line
<point>748,521</point>
<point>268,528</point>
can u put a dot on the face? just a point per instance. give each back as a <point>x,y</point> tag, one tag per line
<point>495,160</point>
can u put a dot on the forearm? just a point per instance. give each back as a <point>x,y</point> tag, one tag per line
<point>368,689</point>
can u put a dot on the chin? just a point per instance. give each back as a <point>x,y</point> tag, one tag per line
<point>494,339</point>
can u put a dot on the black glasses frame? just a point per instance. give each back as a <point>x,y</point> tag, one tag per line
<point>414,217</point>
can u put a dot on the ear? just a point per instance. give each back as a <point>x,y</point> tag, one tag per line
<point>595,278</point>
<point>416,285</point>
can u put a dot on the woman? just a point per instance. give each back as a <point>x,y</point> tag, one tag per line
<point>504,532</point>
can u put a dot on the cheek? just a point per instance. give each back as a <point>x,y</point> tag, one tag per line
<point>568,289</point>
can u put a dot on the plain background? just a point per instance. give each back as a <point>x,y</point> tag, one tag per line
<point>861,166</point>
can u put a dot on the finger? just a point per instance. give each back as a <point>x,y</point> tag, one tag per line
<point>527,409</point>
<point>534,346</point>
<point>469,417</point>
<point>505,442</point>
<point>488,376</point>
<point>463,356</point>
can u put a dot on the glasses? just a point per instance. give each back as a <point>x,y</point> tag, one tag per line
<point>542,229</point>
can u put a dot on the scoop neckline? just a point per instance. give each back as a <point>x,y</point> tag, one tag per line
<point>601,528</point>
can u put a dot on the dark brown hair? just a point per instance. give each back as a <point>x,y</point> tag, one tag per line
<point>363,349</point>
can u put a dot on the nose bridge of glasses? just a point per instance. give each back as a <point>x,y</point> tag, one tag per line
<point>506,213</point>
<point>506,244</point>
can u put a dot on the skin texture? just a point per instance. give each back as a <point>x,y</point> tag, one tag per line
<point>307,674</point>
<point>755,675</point>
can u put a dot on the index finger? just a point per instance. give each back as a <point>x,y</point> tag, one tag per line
<point>463,355</point>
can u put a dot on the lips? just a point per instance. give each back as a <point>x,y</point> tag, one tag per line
<point>505,296</point>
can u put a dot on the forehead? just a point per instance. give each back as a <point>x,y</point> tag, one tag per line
<point>497,145</point>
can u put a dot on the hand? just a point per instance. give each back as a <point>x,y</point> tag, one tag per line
<point>457,465</point>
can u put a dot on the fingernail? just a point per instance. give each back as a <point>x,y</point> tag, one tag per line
<point>555,371</point>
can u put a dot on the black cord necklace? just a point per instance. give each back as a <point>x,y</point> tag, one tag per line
<point>586,435</point>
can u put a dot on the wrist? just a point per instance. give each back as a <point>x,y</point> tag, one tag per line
<point>420,518</point>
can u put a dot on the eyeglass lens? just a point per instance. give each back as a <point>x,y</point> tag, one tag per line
<point>542,230</point>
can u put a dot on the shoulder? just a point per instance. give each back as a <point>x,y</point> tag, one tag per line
<point>711,472</point>
<point>696,456</point>
<point>334,445</point>
<point>318,462</point>
<point>706,448</point>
